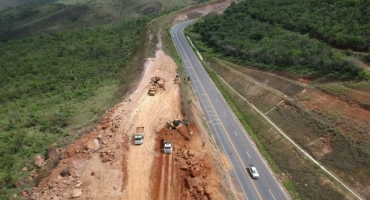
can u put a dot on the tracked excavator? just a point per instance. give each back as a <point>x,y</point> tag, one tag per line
<point>156,82</point>
<point>176,123</point>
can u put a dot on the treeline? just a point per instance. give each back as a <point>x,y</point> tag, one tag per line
<point>245,40</point>
<point>43,77</point>
<point>341,23</point>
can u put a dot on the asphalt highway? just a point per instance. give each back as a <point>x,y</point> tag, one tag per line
<point>230,135</point>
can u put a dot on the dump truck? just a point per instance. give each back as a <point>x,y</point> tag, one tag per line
<point>139,135</point>
<point>167,147</point>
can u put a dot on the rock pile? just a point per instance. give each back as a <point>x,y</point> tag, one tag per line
<point>196,184</point>
<point>60,187</point>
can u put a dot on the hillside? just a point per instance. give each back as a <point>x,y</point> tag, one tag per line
<point>36,18</point>
<point>52,85</point>
<point>295,80</point>
<point>342,23</point>
<point>63,65</point>
<point>241,38</point>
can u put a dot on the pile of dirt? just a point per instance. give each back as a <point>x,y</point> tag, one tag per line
<point>86,161</point>
<point>188,172</point>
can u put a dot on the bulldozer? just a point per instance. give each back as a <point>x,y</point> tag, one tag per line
<point>177,79</point>
<point>155,84</point>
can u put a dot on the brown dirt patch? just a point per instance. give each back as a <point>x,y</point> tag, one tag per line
<point>104,164</point>
<point>350,118</point>
<point>304,80</point>
<point>188,172</point>
<point>194,12</point>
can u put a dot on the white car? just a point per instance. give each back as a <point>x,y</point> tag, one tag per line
<point>253,171</point>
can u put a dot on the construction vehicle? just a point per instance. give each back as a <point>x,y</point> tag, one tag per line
<point>177,79</point>
<point>173,124</point>
<point>167,146</point>
<point>152,90</point>
<point>139,135</point>
<point>176,123</point>
<point>155,84</point>
<point>157,80</point>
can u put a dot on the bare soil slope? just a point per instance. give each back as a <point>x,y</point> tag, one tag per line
<point>104,164</point>
<point>188,173</point>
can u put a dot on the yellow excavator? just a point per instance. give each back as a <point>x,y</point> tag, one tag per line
<point>173,124</point>
<point>176,123</point>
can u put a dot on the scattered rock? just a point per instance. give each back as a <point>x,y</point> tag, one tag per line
<point>71,151</point>
<point>24,169</point>
<point>76,193</point>
<point>24,193</point>
<point>105,126</point>
<point>92,145</point>
<point>66,172</point>
<point>92,173</point>
<point>184,167</point>
<point>204,198</point>
<point>78,183</point>
<point>39,161</point>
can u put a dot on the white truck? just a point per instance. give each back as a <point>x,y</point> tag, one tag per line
<point>139,135</point>
<point>167,147</point>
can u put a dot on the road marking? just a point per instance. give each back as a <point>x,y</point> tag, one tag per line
<point>271,193</point>
<point>240,160</point>
<point>248,154</point>
<point>225,114</point>
<point>235,133</point>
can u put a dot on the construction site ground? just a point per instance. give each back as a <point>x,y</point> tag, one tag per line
<point>105,164</point>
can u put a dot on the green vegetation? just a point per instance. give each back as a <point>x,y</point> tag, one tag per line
<point>50,81</point>
<point>300,177</point>
<point>333,130</point>
<point>238,37</point>
<point>37,18</point>
<point>341,23</point>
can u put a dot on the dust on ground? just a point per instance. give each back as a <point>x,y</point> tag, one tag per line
<point>104,164</point>
<point>216,7</point>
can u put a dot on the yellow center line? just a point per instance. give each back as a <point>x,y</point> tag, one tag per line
<point>201,85</point>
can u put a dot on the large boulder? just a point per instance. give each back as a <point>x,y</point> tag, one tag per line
<point>68,171</point>
<point>76,193</point>
<point>92,145</point>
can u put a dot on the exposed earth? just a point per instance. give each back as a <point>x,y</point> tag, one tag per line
<point>105,164</point>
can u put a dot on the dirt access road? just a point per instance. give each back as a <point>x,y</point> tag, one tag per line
<point>104,164</point>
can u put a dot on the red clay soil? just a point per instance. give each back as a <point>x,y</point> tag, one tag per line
<point>104,164</point>
<point>188,172</point>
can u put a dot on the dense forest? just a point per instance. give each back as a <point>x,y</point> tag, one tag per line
<point>342,23</point>
<point>42,79</point>
<point>238,36</point>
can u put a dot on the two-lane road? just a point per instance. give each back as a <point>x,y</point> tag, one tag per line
<point>230,135</point>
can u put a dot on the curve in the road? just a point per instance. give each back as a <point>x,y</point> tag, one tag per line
<point>230,135</point>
